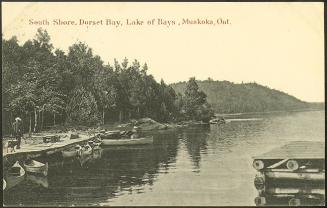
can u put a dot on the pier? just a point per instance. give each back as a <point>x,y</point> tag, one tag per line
<point>294,173</point>
<point>41,148</point>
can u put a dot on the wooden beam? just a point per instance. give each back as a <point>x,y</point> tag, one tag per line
<point>278,164</point>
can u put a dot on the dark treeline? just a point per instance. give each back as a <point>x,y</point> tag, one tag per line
<point>45,86</point>
<point>228,97</point>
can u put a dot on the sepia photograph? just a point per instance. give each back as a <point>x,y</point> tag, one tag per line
<point>163,104</point>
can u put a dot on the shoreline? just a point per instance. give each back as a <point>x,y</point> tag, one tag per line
<point>267,112</point>
<point>152,125</point>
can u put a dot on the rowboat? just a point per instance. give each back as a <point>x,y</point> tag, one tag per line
<point>110,135</point>
<point>16,170</point>
<point>36,167</point>
<point>136,141</point>
<point>15,175</point>
<point>72,152</point>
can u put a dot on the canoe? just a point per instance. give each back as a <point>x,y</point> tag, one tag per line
<point>72,152</point>
<point>110,135</point>
<point>36,167</point>
<point>4,184</point>
<point>15,175</point>
<point>137,141</point>
<point>16,170</point>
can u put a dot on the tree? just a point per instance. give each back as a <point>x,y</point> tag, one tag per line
<point>195,104</point>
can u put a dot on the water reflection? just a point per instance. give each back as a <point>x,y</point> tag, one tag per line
<point>196,143</point>
<point>94,179</point>
<point>209,165</point>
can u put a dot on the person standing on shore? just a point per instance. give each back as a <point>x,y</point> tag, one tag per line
<point>18,130</point>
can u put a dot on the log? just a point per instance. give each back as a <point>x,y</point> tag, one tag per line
<point>292,165</point>
<point>298,176</point>
<point>277,164</point>
<point>259,164</point>
<point>295,191</point>
<point>307,170</point>
<point>260,200</point>
<point>259,182</point>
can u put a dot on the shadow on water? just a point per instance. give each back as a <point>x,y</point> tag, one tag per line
<point>195,140</point>
<point>95,179</point>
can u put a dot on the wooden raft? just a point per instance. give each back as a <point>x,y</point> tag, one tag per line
<point>294,172</point>
<point>296,150</point>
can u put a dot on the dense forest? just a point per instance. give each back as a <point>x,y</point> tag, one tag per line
<point>46,86</point>
<point>227,97</point>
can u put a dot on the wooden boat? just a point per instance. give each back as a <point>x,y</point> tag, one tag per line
<point>15,175</point>
<point>36,167</point>
<point>86,150</point>
<point>110,135</point>
<point>136,141</point>
<point>16,170</point>
<point>4,184</point>
<point>72,152</point>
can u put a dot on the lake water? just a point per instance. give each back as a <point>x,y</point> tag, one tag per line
<point>207,165</point>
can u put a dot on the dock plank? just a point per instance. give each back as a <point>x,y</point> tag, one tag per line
<point>33,150</point>
<point>296,150</point>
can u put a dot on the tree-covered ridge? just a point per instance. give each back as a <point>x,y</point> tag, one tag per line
<point>46,86</point>
<point>227,97</point>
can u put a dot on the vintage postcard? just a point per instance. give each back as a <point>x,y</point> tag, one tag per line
<point>163,104</point>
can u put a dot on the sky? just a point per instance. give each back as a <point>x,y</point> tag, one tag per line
<point>279,45</point>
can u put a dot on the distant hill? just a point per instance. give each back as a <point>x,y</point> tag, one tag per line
<point>227,97</point>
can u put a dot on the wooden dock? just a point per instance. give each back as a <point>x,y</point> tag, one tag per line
<point>299,165</point>
<point>28,151</point>
<point>296,150</point>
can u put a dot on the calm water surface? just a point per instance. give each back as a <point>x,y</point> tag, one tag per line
<point>208,165</point>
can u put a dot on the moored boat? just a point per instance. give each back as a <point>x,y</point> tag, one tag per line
<point>110,135</point>
<point>72,152</point>
<point>136,141</point>
<point>15,175</point>
<point>16,170</point>
<point>36,167</point>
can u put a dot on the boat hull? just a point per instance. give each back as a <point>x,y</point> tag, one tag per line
<point>40,168</point>
<point>67,154</point>
<point>118,142</point>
